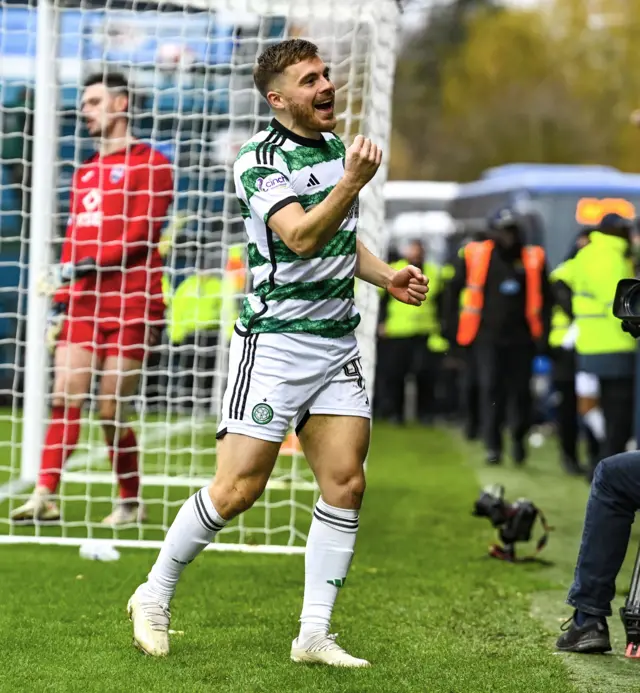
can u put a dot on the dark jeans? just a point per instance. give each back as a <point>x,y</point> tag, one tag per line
<point>402,357</point>
<point>613,502</point>
<point>504,375</point>
<point>617,402</point>
<point>447,388</point>
<point>194,364</point>
<point>470,395</point>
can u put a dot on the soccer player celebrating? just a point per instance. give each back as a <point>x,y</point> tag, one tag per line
<point>294,355</point>
<point>109,306</point>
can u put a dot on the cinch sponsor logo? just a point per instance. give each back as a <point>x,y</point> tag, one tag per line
<point>276,180</point>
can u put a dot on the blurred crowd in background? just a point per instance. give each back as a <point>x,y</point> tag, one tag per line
<point>513,348</point>
<point>517,332</point>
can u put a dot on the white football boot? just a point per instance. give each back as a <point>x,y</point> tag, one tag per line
<point>38,508</point>
<point>126,514</point>
<point>323,649</point>
<point>151,621</point>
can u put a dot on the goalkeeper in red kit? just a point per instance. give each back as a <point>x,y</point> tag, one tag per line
<point>108,306</point>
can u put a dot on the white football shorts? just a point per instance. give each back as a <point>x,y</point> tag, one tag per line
<point>587,385</point>
<point>276,379</point>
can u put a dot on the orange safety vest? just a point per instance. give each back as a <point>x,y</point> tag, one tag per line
<point>477,256</point>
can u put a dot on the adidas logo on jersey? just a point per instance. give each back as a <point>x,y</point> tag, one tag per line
<point>313,181</point>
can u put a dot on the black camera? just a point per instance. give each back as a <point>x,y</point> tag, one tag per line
<point>626,305</point>
<point>514,521</point>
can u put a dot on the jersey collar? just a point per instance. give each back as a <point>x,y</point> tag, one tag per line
<point>131,148</point>
<point>298,139</point>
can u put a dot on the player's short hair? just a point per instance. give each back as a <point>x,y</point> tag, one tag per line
<point>115,82</point>
<point>274,60</point>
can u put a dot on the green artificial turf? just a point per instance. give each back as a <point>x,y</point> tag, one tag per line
<point>422,602</point>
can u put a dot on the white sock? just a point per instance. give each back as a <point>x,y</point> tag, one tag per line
<point>330,544</point>
<point>196,524</point>
<point>594,421</point>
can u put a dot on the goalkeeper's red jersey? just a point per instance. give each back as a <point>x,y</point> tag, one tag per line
<point>119,203</point>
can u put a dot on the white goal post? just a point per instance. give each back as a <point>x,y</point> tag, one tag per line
<point>189,64</point>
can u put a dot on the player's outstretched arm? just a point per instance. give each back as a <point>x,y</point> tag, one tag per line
<point>305,233</point>
<point>408,285</point>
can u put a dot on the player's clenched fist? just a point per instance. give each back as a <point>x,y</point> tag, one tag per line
<point>409,285</point>
<point>362,160</point>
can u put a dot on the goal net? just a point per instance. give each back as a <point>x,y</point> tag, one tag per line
<point>192,98</point>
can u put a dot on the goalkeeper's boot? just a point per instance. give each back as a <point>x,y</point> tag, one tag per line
<point>323,649</point>
<point>39,508</point>
<point>126,514</point>
<point>151,621</point>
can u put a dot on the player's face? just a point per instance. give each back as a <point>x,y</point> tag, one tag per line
<point>308,95</point>
<point>102,110</point>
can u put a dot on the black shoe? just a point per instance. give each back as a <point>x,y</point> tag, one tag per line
<point>572,467</point>
<point>590,638</point>
<point>518,452</point>
<point>493,457</point>
<point>471,433</point>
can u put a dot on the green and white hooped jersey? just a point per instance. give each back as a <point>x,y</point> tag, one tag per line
<point>313,295</point>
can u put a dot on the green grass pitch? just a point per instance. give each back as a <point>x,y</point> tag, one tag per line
<point>422,602</point>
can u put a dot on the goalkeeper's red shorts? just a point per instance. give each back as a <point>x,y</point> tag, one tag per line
<point>108,336</point>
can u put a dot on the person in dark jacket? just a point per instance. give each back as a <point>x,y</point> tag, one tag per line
<point>504,319</point>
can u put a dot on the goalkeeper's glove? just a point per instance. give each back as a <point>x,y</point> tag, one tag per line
<point>632,328</point>
<point>70,271</point>
<point>55,318</point>
<point>65,273</point>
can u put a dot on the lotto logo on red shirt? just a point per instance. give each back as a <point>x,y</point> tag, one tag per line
<point>92,202</point>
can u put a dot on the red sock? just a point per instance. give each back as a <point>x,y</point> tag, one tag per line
<point>124,460</point>
<point>60,441</point>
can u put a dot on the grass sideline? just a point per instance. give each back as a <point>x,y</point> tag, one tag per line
<point>564,500</point>
<point>422,601</point>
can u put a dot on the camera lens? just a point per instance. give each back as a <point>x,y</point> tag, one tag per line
<point>632,301</point>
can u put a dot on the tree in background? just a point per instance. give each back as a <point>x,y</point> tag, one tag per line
<point>554,85</point>
<point>418,87</point>
<point>504,100</point>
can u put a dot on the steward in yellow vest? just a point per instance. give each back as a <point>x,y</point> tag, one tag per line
<point>405,334</point>
<point>195,306</point>
<point>585,286</point>
<point>563,355</point>
<point>193,325</point>
<point>591,278</point>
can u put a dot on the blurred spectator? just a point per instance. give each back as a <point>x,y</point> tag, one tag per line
<point>193,325</point>
<point>562,347</point>
<point>466,394</point>
<point>584,287</point>
<point>407,334</point>
<point>504,317</point>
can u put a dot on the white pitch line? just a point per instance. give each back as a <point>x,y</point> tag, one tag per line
<point>87,459</point>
